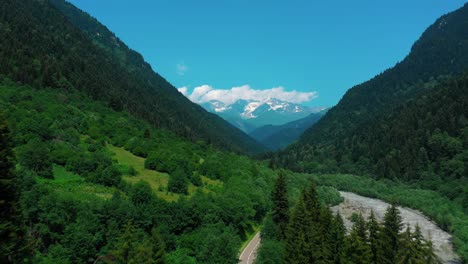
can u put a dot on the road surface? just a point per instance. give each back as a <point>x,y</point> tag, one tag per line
<point>250,251</point>
<point>354,203</point>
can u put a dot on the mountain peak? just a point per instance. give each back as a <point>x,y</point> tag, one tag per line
<point>270,111</point>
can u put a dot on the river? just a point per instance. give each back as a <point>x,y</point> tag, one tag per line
<point>354,203</point>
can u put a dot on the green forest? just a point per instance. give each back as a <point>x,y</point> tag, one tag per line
<point>87,183</point>
<point>310,233</point>
<point>417,143</point>
<point>103,161</point>
<point>77,203</point>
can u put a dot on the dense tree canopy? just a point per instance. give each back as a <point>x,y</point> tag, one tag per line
<point>8,196</point>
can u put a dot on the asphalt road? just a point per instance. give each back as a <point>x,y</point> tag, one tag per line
<point>250,251</point>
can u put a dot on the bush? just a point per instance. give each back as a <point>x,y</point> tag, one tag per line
<point>178,182</point>
<point>81,164</point>
<point>110,176</point>
<point>196,179</point>
<point>132,171</point>
<point>35,156</point>
<point>161,160</point>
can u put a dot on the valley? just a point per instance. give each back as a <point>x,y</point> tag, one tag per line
<point>103,160</point>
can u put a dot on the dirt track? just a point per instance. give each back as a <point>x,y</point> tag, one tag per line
<point>354,203</point>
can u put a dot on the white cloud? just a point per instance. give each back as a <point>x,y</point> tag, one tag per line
<point>181,69</point>
<point>183,90</point>
<point>205,93</point>
<point>199,92</point>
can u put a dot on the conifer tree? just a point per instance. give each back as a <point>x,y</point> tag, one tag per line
<point>406,252</point>
<point>374,239</point>
<point>430,256</point>
<point>159,248</point>
<point>303,244</point>
<point>8,196</point>
<point>337,240</point>
<point>296,244</point>
<point>280,214</point>
<point>312,221</point>
<point>390,234</point>
<point>357,250</point>
<point>325,222</point>
<point>360,227</point>
<point>124,246</point>
<point>418,244</point>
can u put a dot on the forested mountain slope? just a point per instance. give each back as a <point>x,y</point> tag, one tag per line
<point>277,137</point>
<point>43,47</point>
<point>409,122</point>
<point>78,191</point>
<point>441,51</point>
<point>82,183</point>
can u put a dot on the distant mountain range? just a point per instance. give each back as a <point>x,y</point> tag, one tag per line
<point>277,137</point>
<point>249,115</point>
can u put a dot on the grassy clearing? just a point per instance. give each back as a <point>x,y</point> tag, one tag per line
<point>157,180</point>
<point>69,184</point>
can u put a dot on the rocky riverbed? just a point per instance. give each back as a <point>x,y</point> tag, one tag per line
<point>354,203</point>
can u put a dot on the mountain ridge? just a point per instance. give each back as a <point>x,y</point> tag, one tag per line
<point>251,114</point>
<point>363,133</point>
<point>57,46</point>
<point>280,136</point>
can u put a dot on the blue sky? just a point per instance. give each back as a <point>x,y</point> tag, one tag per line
<point>319,49</point>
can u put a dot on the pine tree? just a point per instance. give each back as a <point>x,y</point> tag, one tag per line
<point>303,244</point>
<point>357,250</point>
<point>374,239</point>
<point>418,244</point>
<point>124,246</point>
<point>9,231</point>
<point>296,244</point>
<point>337,240</point>
<point>390,234</point>
<point>325,222</point>
<point>159,248</point>
<point>430,256</point>
<point>312,203</point>
<point>312,221</point>
<point>280,214</point>
<point>360,227</point>
<point>406,251</point>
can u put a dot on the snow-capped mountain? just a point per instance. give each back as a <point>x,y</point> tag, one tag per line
<point>250,114</point>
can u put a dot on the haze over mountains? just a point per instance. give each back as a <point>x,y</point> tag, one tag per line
<point>251,114</point>
<point>276,137</point>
